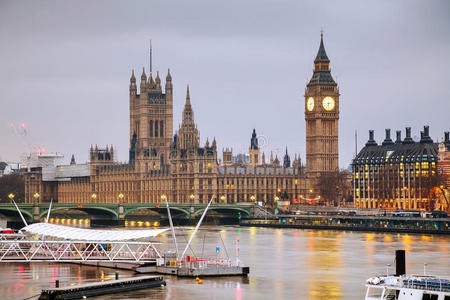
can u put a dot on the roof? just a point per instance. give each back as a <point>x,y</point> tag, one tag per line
<point>321,54</point>
<point>397,153</point>
<point>322,77</point>
<point>82,234</point>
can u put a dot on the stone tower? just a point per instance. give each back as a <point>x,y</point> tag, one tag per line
<point>253,151</point>
<point>322,117</point>
<point>151,119</point>
<point>188,137</point>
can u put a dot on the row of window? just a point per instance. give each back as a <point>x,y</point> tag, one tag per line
<point>153,128</point>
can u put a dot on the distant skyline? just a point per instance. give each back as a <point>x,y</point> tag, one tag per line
<point>65,69</point>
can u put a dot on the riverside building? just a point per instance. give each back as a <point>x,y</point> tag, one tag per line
<point>402,174</point>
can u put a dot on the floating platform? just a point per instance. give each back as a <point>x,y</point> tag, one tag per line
<point>102,288</point>
<point>195,272</point>
<point>194,267</point>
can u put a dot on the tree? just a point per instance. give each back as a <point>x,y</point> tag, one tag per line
<point>12,183</point>
<point>334,187</point>
<point>433,187</point>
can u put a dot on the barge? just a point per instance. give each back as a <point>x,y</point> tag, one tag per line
<point>102,288</point>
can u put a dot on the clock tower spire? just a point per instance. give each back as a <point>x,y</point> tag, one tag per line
<point>322,117</point>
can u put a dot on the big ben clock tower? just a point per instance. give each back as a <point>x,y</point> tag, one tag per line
<point>322,117</point>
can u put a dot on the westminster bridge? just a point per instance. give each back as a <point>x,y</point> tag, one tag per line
<point>35,212</point>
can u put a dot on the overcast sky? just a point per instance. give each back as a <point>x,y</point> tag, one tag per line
<point>65,69</point>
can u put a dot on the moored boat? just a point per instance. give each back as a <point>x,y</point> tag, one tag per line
<point>401,286</point>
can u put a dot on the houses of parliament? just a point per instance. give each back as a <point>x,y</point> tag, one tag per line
<point>164,164</point>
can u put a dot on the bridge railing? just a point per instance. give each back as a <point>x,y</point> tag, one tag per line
<point>77,251</point>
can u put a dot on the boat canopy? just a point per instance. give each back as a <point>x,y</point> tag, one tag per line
<point>82,234</point>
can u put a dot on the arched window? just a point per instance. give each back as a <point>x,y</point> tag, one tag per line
<point>150,130</point>
<point>156,128</point>
<point>161,129</point>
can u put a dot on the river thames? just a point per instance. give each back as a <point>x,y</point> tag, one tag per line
<point>284,264</point>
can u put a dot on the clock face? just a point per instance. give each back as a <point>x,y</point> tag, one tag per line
<point>328,103</point>
<point>310,104</point>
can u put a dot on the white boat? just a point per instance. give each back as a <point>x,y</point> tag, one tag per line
<point>408,287</point>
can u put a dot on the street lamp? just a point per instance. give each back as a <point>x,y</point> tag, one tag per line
<point>36,197</point>
<point>121,197</point>
<point>94,197</point>
<point>223,198</point>
<point>192,197</point>
<point>253,198</point>
<point>11,196</point>
<point>276,204</point>
<point>163,198</point>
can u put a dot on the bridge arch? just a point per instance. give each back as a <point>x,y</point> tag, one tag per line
<point>224,209</point>
<point>89,210</point>
<point>159,210</point>
<point>27,214</point>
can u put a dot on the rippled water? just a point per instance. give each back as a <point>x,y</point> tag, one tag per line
<point>284,264</point>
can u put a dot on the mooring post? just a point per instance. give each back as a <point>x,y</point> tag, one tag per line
<point>56,283</point>
<point>400,262</point>
<point>117,275</point>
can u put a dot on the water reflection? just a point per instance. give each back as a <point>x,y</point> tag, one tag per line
<point>325,264</point>
<point>285,264</point>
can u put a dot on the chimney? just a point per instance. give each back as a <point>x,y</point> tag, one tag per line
<point>426,131</point>
<point>387,140</point>
<point>425,135</point>
<point>408,139</point>
<point>371,141</point>
<point>399,137</point>
<point>447,140</point>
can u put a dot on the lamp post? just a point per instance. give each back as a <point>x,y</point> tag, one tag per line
<point>36,197</point>
<point>163,198</point>
<point>121,197</point>
<point>253,198</point>
<point>192,197</point>
<point>94,197</point>
<point>276,204</point>
<point>223,198</point>
<point>11,196</point>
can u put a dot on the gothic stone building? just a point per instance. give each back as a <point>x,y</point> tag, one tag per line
<point>163,164</point>
<point>402,174</point>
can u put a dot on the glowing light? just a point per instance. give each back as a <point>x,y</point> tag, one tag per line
<point>156,224</point>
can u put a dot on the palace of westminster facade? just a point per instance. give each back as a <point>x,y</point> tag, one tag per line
<point>175,166</point>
